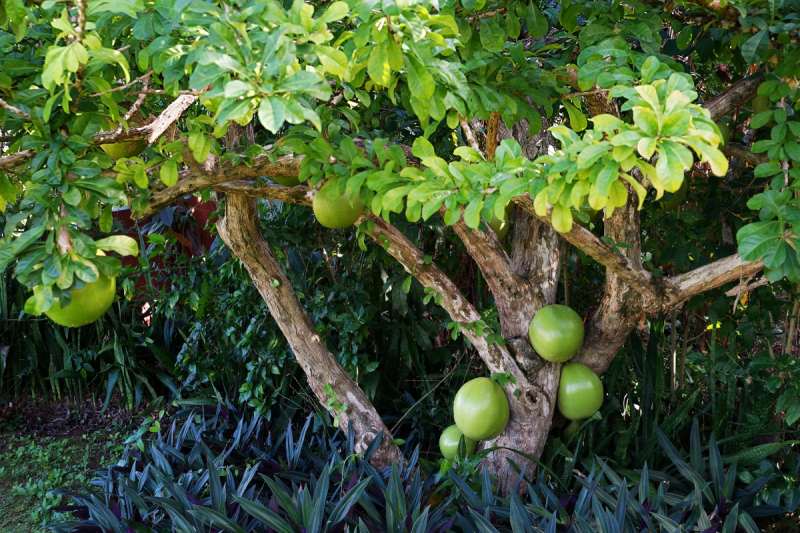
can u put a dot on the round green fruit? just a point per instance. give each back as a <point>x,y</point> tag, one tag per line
<point>556,333</point>
<point>760,104</point>
<point>499,226</point>
<point>724,132</point>
<point>88,304</point>
<point>122,149</point>
<point>672,205</point>
<point>335,211</point>
<point>448,442</point>
<point>580,393</point>
<point>287,181</point>
<point>481,409</point>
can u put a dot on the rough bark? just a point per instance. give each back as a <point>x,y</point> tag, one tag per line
<point>239,229</point>
<point>531,411</point>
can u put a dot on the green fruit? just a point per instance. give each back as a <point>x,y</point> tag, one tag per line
<point>760,104</point>
<point>724,132</point>
<point>333,210</point>
<point>672,205</point>
<point>481,409</point>
<point>88,304</point>
<point>448,442</point>
<point>123,149</point>
<point>287,181</point>
<point>499,226</point>
<point>580,393</point>
<point>556,333</point>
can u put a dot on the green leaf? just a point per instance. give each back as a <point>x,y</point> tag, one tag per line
<point>561,218</point>
<point>121,244</point>
<point>538,26</point>
<point>577,120</point>
<point>200,145</point>
<point>493,37</point>
<point>334,61</point>
<point>420,81</point>
<point>756,47</point>
<point>41,300</point>
<point>169,173</point>
<point>569,17</point>
<point>378,65</point>
<point>271,113</point>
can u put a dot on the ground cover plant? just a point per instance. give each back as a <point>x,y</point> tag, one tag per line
<point>577,216</point>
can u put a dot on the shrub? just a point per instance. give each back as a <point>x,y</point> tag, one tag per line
<point>217,470</point>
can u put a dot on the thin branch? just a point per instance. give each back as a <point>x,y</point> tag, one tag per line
<point>469,136</point>
<point>126,86</point>
<point>741,152</point>
<point>496,357</point>
<point>15,110</point>
<point>491,135</point>
<point>80,29</point>
<point>727,12</point>
<point>188,92</point>
<point>150,132</point>
<point>139,101</point>
<point>584,93</point>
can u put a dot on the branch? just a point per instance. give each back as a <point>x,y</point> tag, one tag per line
<point>496,357</point>
<point>727,12</point>
<point>151,132</point>
<point>469,136</point>
<point>741,152</point>
<point>240,231</point>
<point>734,96</point>
<point>126,86</point>
<point>638,278</point>
<point>711,276</point>
<point>514,299</point>
<point>262,166</point>
<point>491,135</point>
<point>292,195</point>
<point>14,110</point>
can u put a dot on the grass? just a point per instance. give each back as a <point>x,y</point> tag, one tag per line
<point>31,467</point>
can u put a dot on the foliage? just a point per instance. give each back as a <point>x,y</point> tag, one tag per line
<point>33,467</point>
<point>221,470</point>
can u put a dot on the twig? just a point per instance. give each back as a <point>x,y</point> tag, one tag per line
<point>584,93</point>
<point>13,109</point>
<point>80,29</point>
<point>685,344</point>
<point>487,14</point>
<point>468,134</point>
<point>139,100</point>
<point>426,395</point>
<point>491,135</point>
<point>793,321</point>
<point>133,82</point>
<point>6,138</point>
<point>192,92</point>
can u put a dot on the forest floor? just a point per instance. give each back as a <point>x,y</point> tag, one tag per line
<point>46,446</point>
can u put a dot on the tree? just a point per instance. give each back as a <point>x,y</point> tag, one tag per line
<point>511,83</point>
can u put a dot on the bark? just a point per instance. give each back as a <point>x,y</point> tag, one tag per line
<point>740,152</point>
<point>531,411</point>
<point>240,231</point>
<point>734,96</point>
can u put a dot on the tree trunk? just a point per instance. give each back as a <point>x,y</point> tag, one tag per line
<point>240,231</point>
